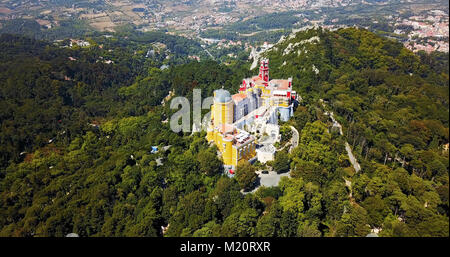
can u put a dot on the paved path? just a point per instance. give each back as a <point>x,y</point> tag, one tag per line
<point>348,183</point>
<point>204,48</point>
<point>294,139</point>
<point>351,157</point>
<point>272,179</point>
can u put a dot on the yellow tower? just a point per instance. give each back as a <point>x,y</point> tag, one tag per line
<point>223,108</point>
<point>232,143</point>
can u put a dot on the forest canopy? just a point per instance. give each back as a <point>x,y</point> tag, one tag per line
<point>77,135</point>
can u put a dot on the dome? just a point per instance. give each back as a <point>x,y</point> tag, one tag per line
<point>222,96</point>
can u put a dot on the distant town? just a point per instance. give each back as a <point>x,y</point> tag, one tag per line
<point>430,33</point>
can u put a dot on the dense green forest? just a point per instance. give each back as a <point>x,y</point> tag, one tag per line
<point>75,86</point>
<point>394,108</point>
<point>98,177</point>
<point>30,28</point>
<point>258,29</point>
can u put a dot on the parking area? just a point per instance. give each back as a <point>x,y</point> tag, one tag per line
<point>268,180</point>
<point>271,179</point>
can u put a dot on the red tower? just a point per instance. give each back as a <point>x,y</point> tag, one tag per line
<point>264,70</point>
<point>289,89</point>
<point>243,86</point>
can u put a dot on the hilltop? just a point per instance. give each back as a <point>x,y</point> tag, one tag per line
<point>104,179</point>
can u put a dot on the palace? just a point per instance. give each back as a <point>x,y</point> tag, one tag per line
<point>255,110</point>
